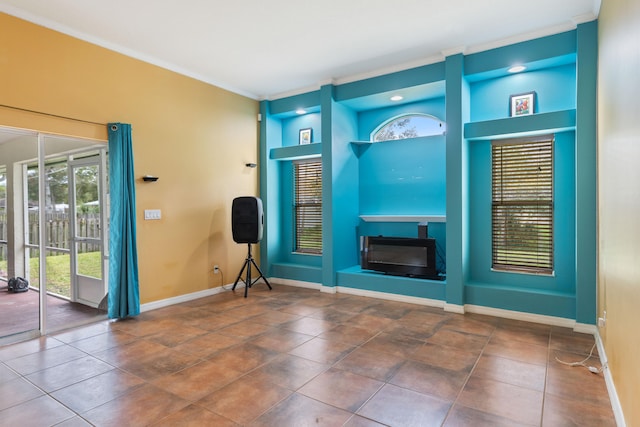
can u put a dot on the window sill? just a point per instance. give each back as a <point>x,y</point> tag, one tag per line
<point>526,272</point>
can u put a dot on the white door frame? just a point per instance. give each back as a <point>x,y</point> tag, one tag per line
<point>86,289</point>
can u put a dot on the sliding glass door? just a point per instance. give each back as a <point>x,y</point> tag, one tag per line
<point>52,232</point>
<point>19,311</point>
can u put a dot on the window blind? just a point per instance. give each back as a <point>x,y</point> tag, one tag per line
<point>308,207</point>
<point>522,205</point>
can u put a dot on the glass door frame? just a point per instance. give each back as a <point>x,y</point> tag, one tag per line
<point>98,160</point>
<point>19,245</point>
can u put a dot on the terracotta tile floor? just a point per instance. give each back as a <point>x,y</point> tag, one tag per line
<point>298,357</point>
<point>21,312</point>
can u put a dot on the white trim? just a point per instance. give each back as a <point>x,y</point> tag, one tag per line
<point>583,328</point>
<point>518,38</point>
<point>132,53</point>
<point>451,308</point>
<point>409,65</point>
<point>584,18</point>
<point>181,298</point>
<point>295,283</point>
<point>391,297</point>
<point>608,379</point>
<point>289,93</point>
<point>454,308</point>
<point>519,315</point>
<point>453,51</point>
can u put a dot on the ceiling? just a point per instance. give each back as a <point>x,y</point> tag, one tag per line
<point>269,49</point>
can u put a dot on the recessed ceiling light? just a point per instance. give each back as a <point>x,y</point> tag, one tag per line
<point>300,111</point>
<point>517,69</point>
<point>396,98</point>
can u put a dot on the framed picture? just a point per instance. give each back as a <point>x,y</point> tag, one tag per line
<point>522,104</point>
<point>305,136</point>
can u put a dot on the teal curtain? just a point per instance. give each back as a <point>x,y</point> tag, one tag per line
<point>124,294</point>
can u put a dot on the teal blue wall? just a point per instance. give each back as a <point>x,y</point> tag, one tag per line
<point>444,175</point>
<point>586,172</point>
<point>555,89</point>
<point>270,137</point>
<point>291,128</point>
<point>280,127</point>
<point>404,177</point>
<point>457,93</point>
<point>345,185</point>
<point>564,277</point>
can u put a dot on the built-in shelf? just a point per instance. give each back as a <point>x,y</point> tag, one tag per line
<point>403,218</point>
<point>540,123</point>
<point>296,152</point>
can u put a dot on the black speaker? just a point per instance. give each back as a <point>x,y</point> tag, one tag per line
<point>247,219</point>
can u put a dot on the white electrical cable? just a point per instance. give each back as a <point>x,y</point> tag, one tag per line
<point>583,363</point>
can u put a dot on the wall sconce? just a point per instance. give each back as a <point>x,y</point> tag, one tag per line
<point>149,178</point>
<point>251,165</point>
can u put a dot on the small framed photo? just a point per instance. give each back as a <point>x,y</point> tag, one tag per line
<point>305,136</point>
<point>522,104</point>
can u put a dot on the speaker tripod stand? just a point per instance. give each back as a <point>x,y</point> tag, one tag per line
<point>247,265</point>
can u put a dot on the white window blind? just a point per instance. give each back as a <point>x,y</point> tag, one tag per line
<point>522,205</point>
<point>308,207</point>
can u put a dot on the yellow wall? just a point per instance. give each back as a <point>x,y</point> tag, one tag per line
<point>619,196</point>
<point>194,136</point>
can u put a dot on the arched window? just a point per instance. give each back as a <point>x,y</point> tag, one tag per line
<point>408,126</point>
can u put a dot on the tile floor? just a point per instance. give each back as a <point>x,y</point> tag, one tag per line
<point>21,312</point>
<point>298,357</point>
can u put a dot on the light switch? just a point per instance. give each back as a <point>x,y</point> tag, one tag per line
<point>152,214</point>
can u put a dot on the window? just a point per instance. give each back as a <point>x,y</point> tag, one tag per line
<point>408,126</point>
<point>522,205</point>
<point>308,206</point>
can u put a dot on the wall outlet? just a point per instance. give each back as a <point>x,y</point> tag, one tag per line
<point>602,321</point>
<point>216,269</point>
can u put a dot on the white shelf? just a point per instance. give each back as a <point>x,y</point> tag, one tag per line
<point>404,218</point>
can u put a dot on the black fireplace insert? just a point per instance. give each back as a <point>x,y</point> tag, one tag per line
<point>401,256</point>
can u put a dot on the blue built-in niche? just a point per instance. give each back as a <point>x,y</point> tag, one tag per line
<point>403,178</point>
<point>555,91</point>
<point>406,176</point>
<point>387,188</point>
<point>291,128</point>
<point>563,279</point>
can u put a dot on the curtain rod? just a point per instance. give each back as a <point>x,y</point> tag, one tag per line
<point>52,115</point>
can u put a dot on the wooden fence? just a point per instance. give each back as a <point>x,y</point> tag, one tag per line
<point>58,231</point>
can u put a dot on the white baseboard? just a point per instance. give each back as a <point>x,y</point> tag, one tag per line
<point>390,297</point>
<point>454,308</point>
<point>295,283</point>
<point>519,315</point>
<point>213,291</point>
<point>451,308</point>
<point>583,328</point>
<point>608,379</point>
<point>182,298</point>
